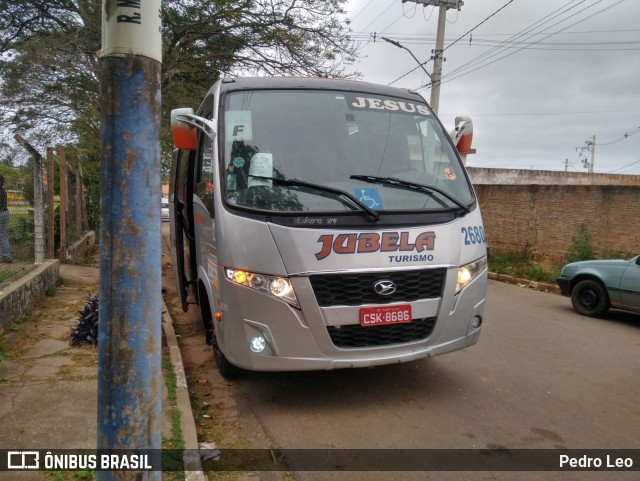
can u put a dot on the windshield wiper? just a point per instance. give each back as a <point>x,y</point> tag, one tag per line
<point>411,186</point>
<point>301,183</point>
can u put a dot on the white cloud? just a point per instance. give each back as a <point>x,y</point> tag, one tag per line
<point>531,109</point>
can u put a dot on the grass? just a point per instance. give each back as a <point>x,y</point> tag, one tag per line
<point>71,475</point>
<point>14,325</point>
<point>175,441</point>
<point>521,263</point>
<point>8,272</point>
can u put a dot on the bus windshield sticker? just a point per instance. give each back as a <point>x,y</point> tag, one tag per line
<point>449,173</point>
<point>238,125</point>
<point>370,197</point>
<point>382,104</point>
<point>352,127</point>
<point>261,166</point>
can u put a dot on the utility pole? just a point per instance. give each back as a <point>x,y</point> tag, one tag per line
<point>130,336</point>
<point>443,6</point>
<point>589,146</point>
<point>593,153</point>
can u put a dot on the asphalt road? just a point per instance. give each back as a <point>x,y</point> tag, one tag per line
<point>541,377</point>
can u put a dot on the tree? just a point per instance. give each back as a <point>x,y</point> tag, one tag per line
<point>49,63</point>
<point>49,57</point>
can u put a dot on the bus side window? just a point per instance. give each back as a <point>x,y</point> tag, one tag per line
<point>204,186</point>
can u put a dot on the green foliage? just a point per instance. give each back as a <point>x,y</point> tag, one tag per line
<point>16,323</point>
<point>7,273</point>
<point>612,254</point>
<point>507,261</point>
<point>92,198</point>
<point>86,475</point>
<point>520,263</point>
<point>175,441</point>
<point>20,234</point>
<point>50,68</point>
<point>14,176</point>
<point>580,248</point>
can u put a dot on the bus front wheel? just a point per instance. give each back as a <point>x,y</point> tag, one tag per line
<point>225,368</point>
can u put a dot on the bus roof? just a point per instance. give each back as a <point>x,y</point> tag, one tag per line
<point>315,83</point>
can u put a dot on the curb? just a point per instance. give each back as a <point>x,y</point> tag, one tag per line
<point>192,464</point>
<point>539,286</point>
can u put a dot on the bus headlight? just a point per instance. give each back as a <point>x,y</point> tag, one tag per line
<point>469,272</point>
<point>279,287</point>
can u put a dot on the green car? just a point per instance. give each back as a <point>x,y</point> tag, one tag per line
<point>596,286</point>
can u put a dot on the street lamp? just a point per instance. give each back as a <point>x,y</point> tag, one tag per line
<point>399,45</point>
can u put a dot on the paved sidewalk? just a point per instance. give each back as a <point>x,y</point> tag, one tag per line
<point>48,388</point>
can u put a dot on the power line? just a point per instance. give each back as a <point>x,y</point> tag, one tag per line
<point>464,35</point>
<point>425,62</point>
<point>380,15</point>
<point>385,28</point>
<point>526,114</point>
<point>525,31</point>
<point>431,35</point>
<point>470,67</point>
<point>529,45</point>
<point>404,14</point>
<point>626,135</point>
<point>460,71</point>
<point>623,167</point>
<point>362,10</point>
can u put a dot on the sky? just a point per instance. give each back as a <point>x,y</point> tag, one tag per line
<point>538,78</point>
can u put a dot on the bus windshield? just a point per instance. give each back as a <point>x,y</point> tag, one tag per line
<point>367,146</point>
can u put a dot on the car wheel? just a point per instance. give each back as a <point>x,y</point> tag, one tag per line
<point>589,298</point>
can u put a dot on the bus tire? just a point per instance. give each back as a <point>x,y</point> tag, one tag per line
<point>225,368</point>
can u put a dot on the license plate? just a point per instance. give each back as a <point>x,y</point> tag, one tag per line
<point>382,316</point>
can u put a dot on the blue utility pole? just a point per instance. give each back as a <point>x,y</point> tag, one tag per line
<point>129,338</point>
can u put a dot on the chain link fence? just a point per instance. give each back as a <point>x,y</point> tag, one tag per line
<point>17,228</point>
<point>46,213</point>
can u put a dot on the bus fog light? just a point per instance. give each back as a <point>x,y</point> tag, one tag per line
<point>476,322</point>
<point>258,344</point>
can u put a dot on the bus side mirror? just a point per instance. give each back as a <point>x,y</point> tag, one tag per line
<point>185,136</point>
<point>185,126</point>
<point>462,135</point>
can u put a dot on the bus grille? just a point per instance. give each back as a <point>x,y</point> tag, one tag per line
<point>354,335</point>
<point>357,289</point>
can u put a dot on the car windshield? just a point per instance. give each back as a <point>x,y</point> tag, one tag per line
<point>336,139</point>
